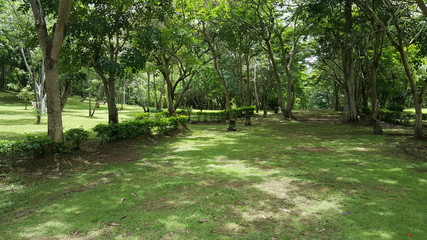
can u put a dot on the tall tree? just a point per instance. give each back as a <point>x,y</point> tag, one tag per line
<point>51,45</point>
<point>401,36</point>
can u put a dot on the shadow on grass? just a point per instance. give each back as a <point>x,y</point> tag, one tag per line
<point>264,182</point>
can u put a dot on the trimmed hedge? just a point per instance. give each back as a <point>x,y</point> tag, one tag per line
<point>136,128</point>
<point>124,130</point>
<point>222,115</point>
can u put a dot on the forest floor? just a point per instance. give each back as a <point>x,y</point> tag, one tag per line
<point>309,179</point>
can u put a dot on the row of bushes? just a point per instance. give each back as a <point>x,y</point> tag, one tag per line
<point>141,126</point>
<point>37,146</point>
<point>395,117</point>
<point>222,115</point>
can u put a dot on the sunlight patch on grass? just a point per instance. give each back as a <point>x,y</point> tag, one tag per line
<point>50,228</point>
<point>238,169</point>
<point>279,189</point>
<point>172,223</point>
<point>388,181</point>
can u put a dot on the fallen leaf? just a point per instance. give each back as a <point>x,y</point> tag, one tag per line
<point>202,221</point>
<point>133,194</point>
<point>122,200</point>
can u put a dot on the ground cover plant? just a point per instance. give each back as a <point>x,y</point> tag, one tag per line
<point>312,179</point>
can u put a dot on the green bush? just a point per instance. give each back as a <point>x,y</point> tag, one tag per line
<point>30,148</point>
<point>165,125</point>
<point>76,136</point>
<point>142,116</point>
<point>123,130</point>
<point>222,115</point>
<point>392,117</point>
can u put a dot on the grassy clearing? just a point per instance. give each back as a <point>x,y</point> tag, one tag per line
<point>16,122</point>
<point>273,180</point>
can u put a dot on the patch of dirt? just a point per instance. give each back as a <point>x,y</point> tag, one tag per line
<point>314,149</point>
<point>421,170</point>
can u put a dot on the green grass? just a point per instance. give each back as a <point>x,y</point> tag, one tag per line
<point>284,180</point>
<point>16,122</point>
<point>273,180</point>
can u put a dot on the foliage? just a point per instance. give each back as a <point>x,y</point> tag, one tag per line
<point>26,94</point>
<point>220,116</point>
<point>75,137</point>
<point>124,130</point>
<point>165,125</point>
<point>30,148</point>
<point>142,116</point>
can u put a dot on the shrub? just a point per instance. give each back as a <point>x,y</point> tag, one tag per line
<point>76,136</point>
<point>123,130</point>
<point>392,116</point>
<point>165,125</point>
<point>142,116</point>
<point>32,147</point>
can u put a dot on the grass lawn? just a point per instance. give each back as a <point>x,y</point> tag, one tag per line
<point>273,180</point>
<point>16,122</point>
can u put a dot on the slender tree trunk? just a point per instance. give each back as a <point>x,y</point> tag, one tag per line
<point>248,91</point>
<point>110,94</point>
<point>418,99</point>
<point>287,64</point>
<point>256,90</point>
<point>336,97</point>
<point>276,76</point>
<point>148,92</point>
<point>170,93</point>
<point>90,104</point>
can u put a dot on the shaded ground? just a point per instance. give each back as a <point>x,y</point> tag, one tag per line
<point>273,180</point>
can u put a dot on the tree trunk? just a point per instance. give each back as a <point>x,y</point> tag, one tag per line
<point>148,92</point>
<point>418,99</point>
<point>276,75</point>
<point>51,47</point>
<point>248,91</point>
<point>170,93</point>
<point>350,105</point>
<point>110,94</point>
<point>336,97</point>
<point>65,94</point>
<point>256,91</point>
<point>54,109</point>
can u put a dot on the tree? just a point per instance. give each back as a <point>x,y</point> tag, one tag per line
<point>51,45</point>
<point>106,31</point>
<point>401,37</point>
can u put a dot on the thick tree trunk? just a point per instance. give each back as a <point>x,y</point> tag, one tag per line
<point>51,47</point>
<point>350,105</point>
<point>54,109</point>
